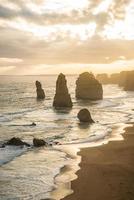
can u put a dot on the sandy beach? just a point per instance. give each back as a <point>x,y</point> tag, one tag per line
<point>107,172</point>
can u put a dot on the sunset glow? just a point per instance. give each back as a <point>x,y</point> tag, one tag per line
<point>68,33</point>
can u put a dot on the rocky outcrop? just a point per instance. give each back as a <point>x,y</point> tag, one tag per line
<point>114,78</point>
<point>122,78</point>
<point>40,92</point>
<point>62,97</point>
<point>85,116</point>
<point>16,142</point>
<point>129,82</point>
<point>105,79</point>
<point>102,78</point>
<point>39,142</point>
<point>87,87</point>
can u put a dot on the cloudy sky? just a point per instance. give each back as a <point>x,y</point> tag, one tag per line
<point>69,36</point>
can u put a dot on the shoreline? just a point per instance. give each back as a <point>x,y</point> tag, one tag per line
<point>68,172</point>
<point>106,171</point>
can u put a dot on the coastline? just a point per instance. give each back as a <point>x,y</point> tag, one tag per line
<point>106,172</point>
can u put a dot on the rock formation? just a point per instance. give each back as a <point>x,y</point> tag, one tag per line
<point>16,142</point>
<point>39,90</point>
<point>122,78</point>
<point>62,97</point>
<point>39,142</point>
<point>102,78</point>
<point>87,87</point>
<point>129,82</point>
<point>105,79</point>
<point>114,78</point>
<point>85,116</point>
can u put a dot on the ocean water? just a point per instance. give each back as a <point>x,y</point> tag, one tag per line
<point>32,173</point>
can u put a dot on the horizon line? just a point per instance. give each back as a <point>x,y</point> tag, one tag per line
<point>64,73</point>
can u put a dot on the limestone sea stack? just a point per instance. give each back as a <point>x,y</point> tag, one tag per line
<point>87,87</point>
<point>39,90</point>
<point>62,97</point>
<point>85,116</point>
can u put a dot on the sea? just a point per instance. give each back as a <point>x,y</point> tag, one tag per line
<point>28,173</point>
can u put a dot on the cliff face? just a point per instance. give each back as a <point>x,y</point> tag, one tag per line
<point>114,78</point>
<point>103,78</point>
<point>40,92</point>
<point>123,78</point>
<point>87,87</point>
<point>129,81</point>
<point>111,79</point>
<point>62,97</point>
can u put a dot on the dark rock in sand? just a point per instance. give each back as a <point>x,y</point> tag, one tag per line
<point>87,87</point>
<point>85,116</point>
<point>16,142</point>
<point>62,97</point>
<point>39,90</point>
<point>39,142</point>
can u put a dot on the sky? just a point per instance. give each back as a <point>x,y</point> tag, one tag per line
<point>68,36</point>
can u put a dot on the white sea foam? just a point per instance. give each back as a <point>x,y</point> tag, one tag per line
<point>8,153</point>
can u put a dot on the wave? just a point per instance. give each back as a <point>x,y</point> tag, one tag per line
<point>21,125</point>
<point>7,117</point>
<point>35,172</point>
<point>20,112</point>
<point>3,118</point>
<point>92,138</point>
<point>8,153</point>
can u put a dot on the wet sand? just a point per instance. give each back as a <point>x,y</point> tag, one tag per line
<point>107,172</point>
